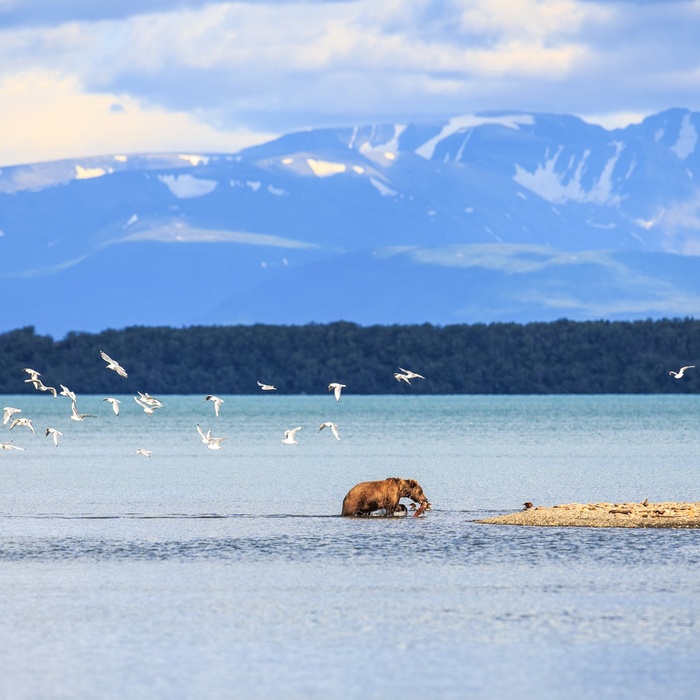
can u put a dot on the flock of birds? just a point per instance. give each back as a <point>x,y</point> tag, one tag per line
<point>150,405</point>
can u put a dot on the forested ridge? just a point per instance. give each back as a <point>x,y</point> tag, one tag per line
<point>557,357</point>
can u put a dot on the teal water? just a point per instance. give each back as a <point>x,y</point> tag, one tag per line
<point>229,574</point>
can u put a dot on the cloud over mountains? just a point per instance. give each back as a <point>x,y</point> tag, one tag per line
<point>85,77</point>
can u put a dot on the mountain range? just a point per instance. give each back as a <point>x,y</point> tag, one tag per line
<point>480,218</point>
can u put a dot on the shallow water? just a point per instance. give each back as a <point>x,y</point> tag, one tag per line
<point>221,574</point>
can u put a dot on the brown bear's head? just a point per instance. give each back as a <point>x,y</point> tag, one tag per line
<point>410,488</point>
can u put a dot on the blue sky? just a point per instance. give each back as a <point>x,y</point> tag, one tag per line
<point>93,77</point>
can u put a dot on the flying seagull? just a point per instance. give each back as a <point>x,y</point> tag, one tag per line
<point>78,416</point>
<point>150,400</point>
<point>40,386</point>
<point>54,434</point>
<point>212,443</point>
<point>35,381</point>
<point>336,388</point>
<point>216,401</point>
<point>148,407</point>
<point>332,426</point>
<point>9,446</point>
<point>205,436</point>
<point>267,387</point>
<point>115,404</point>
<point>65,391</point>
<point>290,435</point>
<point>680,372</point>
<point>26,422</point>
<point>51,389</point>
<point>411,375</point>
<point>145,453</point>
<point>8,412</point>
<point>113,364</point>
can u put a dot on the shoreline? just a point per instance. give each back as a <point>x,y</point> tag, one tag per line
<point>667,514</point>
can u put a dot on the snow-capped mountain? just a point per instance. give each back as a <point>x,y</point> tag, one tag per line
<point>491,217</point>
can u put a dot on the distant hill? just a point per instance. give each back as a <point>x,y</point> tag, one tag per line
<point>491,217</point>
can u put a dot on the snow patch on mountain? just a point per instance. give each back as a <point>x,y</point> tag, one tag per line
<point>325,168</point>
<point>254,185</point>
<point>88,173</point>
<point>388,149</point>
<point>195,160</point>
<point>687,139</point>
<point>562,185</point>
<point>188,186</point>
<point>470,121</point>
<point>383,189</point>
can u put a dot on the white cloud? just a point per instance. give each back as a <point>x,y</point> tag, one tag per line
<point>50,117</point>
<point>222,75</point>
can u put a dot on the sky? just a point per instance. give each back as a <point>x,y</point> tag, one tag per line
<point>101,77</point>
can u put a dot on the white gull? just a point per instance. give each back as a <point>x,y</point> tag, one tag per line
<point>113,364</point>
<point>332,426</point>
<point>115,404</point>
<point>289,436</point>
<point>54,434</point>
<point>681,371</point>
<point>336,388</point>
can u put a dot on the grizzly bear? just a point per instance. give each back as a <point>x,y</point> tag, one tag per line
<point>369,496</point>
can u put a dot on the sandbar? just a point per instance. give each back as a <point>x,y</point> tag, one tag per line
<point>667,514</point>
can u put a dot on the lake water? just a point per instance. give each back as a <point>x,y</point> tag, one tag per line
<point>229,574</point>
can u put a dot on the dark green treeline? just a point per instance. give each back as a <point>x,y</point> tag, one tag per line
<point>498,358</point>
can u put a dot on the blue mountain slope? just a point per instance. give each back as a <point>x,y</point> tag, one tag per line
<point>480,218</point>
<point>518,284</point>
